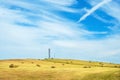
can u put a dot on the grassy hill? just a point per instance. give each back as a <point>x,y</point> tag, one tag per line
<point>57,69</point>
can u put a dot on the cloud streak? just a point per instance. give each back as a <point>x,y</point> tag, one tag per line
<point>93,9</point>
<point>29,28</point>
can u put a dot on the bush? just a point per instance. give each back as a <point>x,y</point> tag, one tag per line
<point>101,64</point>
<point>117,66</point>
<point>22,62</point>
<point>13,66</point>
<point>87,67</point>
<point>90,61</point>
<point>53,67</point>
<point>32,62</point>
<point>37,65</point>
<point>63,64</point>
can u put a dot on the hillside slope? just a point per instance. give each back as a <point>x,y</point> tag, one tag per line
<point>57,69</point>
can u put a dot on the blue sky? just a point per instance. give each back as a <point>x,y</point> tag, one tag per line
<point>74,29</point>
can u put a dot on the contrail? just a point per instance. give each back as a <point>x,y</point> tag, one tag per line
<point>93,9</point>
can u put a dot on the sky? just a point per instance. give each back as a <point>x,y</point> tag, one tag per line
<point>72,29</point>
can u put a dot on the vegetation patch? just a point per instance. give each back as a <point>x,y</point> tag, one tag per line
<point>53,67</point>
<point>86,66</point>
<point>13,66</point>
<point>38,65</point>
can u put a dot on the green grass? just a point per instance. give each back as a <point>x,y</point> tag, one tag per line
<point>71,70</point>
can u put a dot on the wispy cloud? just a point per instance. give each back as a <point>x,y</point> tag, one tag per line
<point>111,9</point>
<point>94,9</point>
<point>62,2</point>
<point>31,27</point>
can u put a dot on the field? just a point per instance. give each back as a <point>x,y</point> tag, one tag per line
<point>57,69</point>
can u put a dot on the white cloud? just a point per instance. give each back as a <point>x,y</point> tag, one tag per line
<point>102,18</point>
<point>52,30</point>
<point>111,9</point>
<point>96,48</point>
<point>94,9</point>
<point>62,2</point>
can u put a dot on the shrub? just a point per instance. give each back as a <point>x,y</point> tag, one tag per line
<point>101,64</point>
<point>22,62</point>
<point>63,64</point>
<point>53,67</point>
<point>32,62</point>
<point>117,66</point>
<point>37,65</point>
<point>90,61</point>
<point>13,66</point>
<point>87,67</point>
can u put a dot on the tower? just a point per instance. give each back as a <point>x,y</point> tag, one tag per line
<point>49,56</point>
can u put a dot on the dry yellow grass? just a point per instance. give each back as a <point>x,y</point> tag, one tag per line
<point>28,69</point>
